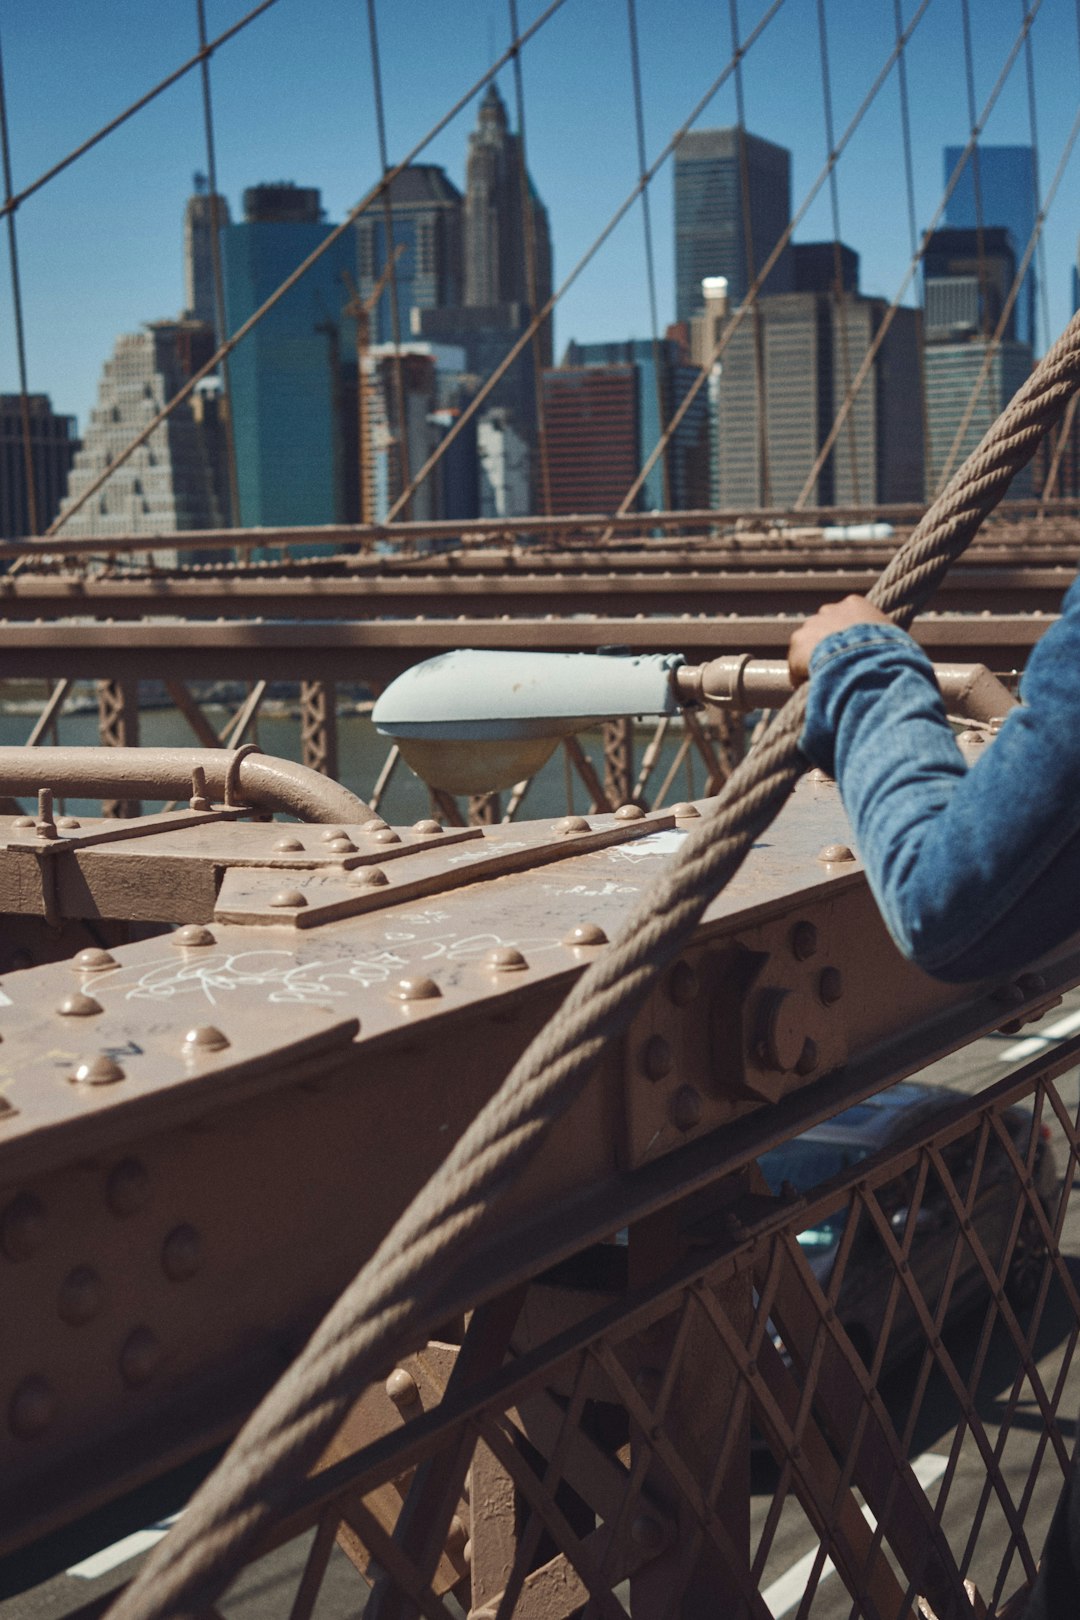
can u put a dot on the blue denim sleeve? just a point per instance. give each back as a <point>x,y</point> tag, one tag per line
<point>976,872</point>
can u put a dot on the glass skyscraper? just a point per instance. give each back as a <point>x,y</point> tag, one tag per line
<point>711,234</point>
<point>1007,194</point>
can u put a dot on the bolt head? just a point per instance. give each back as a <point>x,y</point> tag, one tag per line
<point>288,846</point>
<point>683,984</point>
<point>46,829</point>
<point>288,900</point>
<point>193,934</point>
<point>685,1108</point>
<point>685,812</point>
<point>341,846</point>
<point>328,834</point>
<point>204,1038</point>
<point>656,1058</point>
<point>385,835</point>
<point>181,1253</point>
<point>629,812</point>
<point>23,821</point>
<point>140,1357</point>
<point>401,1388</point>
<point>830,985</point>
<point>834,854</point>
<point>80,1297</point>
<point>419,989</point>
<point>98,1071</point>
<point>69,823</point>
<point>428,828</point>
<point>94,960</point>
<point>804,941</point>
<point>587,933</point>
<point>570,824</point>
<point>505,959</point>
<point>369,877</point>
<point>78,1006</point>
<point>31,1408</point>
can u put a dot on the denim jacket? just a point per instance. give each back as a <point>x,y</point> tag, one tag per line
<point>976,871</point>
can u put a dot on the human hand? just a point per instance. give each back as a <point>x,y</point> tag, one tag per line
<point>831,617</point>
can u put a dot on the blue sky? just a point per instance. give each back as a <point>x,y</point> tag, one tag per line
<point>101,247</point>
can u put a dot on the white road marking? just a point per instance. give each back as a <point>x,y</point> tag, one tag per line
<point>1034,1044</point>
<point>786,1592</point>
<point>100,1563</point>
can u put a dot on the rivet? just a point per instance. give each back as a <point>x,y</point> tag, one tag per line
<point>341,846</point>
<point>466,1552</point>
<point>970,737</point>
<point>647,1532</point>
<point>830,985</point>
<point>505,959</point>
<point>128,1187</point>
<point>834,853</point>
<point>31,1409</point>
<point>385,835</point>
<point>1032,984</point>
<point>80,1296</point>
<point>778,1039</point>
<point>428,827</point>
<point>415,990</point>
<point>140,1356</point>
<point>1009,995</point>
<point>22,1227</point>
<point>181,1253</point>
<point>683,984</point>
<point>328,834</point>
<point>98,1071</point>
<point>684,1109</point>
<point>205,1038</point>
<point>368,877</point>
<point>629,812</point>
<point>69,823</point>
<point>376,824</point>
<point>656,1058</point>
<point>23,821</point>
<point>401,1387</point>
<point>685,812</point>
<point>803,941</point>
<point>570,824</point>
<point>288,846</point>
<point>78,1006</point>
<point>288,900</point>
<point>818,775</point>
<point>192,934</point>
<point>93,960</point>
<point>808,1057</point>
<point>585,934</point>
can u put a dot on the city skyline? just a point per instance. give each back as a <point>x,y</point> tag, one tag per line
<point>125,235</point>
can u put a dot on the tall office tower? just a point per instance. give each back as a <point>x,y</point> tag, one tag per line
<point>199,297</point>
<point>592,435</point>
<point>52,448</point>
<point>504,466</point>
<point>434,388</point>
<point>877,456</point>
<point>953,373</point>
<point>1006,196</point>
<point>714,234</point>
<point>663,378</point>
<point>176,479</point>
<point>425,223</point>
<point>286,374</point>
<point>499,235</point>
<point>966,283</point>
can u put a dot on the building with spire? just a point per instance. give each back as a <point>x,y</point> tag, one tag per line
<point>199,215</point>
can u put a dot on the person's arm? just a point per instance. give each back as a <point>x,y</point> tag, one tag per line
<point>976,872</point>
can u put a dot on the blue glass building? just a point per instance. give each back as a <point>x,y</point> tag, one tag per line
<point>285,374</point>
<point>1007,193</point>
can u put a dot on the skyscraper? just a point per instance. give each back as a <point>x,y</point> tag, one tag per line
<point>285,374</point>
<point>199,296</point>
<point>1005,196</point>
<point>714,234</point>
<point>425,223</point>
<point>52,446</point>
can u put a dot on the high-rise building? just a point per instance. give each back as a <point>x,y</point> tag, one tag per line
<point>663,379</point>
<point>177,478</point>
<point>808,353</point>
<point>967,276</point>
<point>199,215</point>
<point>957,389</point>
<point>500,235</point>
<point>504,466</point>
<point>425,223</point>
<point>52,448</point>
<point>714,234</point>
<point>999,186</point>
<point>433,390</point>
<point>591,414</point>
<point>285,375</point>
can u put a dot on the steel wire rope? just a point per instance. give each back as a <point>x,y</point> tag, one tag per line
<point>400,1293</point>
<point>739,316</point>
<point>913,228</point>
<point>646,218</point>
<point>532,279</point>
<point>216,223</point>
<point>917,258</point>
<point>994,342</point>
<point>1033,123</point>
<point>1065,431</point>
<point>229,344</point>
<point>79,151</point>
<point>620,213</point>
<point>390,259</point>
<point>17,310</point>
<point>761,424</point>
<point>976,169</point>
<point>840,303</point>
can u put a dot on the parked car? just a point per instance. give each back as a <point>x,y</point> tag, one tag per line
<point>885,1122</point>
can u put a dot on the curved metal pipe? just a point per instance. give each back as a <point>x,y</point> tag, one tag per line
<point>239,776</point>
<point>971,691</point>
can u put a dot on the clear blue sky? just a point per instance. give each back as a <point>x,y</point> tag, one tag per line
<point>101,247</point>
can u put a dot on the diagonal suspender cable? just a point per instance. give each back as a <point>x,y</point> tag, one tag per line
<point>395,1298</point>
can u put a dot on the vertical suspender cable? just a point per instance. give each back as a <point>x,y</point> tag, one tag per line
<point>388,230</point>
<point>839,296</point>
<point>1040,252</point>
<point>764,483</point>
<point>646,215</point>
<point>1065,431</point>
<point>913,229</point>
<point>16,298</point>
<point>532,279</point>
<point>215,260</point>
<point>976,176</point>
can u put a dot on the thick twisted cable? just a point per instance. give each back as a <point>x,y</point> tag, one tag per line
<point>398,1295</point>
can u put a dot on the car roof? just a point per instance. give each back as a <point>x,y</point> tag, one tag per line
<point>886,1114</point>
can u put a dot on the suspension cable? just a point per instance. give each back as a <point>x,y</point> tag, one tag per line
<point>1040,252</point>
<point>976,170</point>
<point>215,260</point>
<point>20,338</point>
<point>890,314</point>
<point>532,278</point>
<point>1065,431</point>
<point>761,425</point>
<point>839,295</point>
<point>646,218</point>
<point>913,229</point>
<point>229,344</point>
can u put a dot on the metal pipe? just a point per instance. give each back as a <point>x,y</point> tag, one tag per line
<point>970,691</point>
<point>233,776</point>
